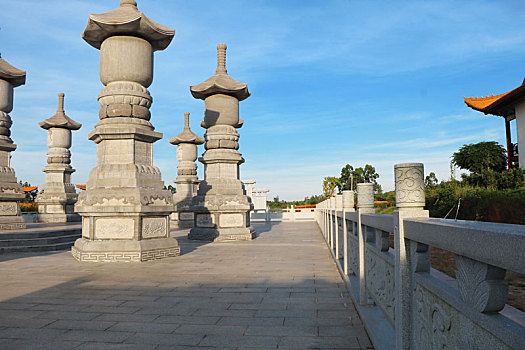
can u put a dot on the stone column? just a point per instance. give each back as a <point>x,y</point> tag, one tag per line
<point>11,192</point>
<point>248,187</point>
<point>125,210</point>
<point>410,201</point>
<point>222,209</point>
<point>365,205</point>
<point>187,179</point>
<point>58,195</point>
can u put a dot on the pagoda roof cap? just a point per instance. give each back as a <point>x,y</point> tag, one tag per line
<point>126,20</point>
<point>501,105</point>
<point>220,82</point>
<point>60,119</point>
<point>14,76</point>
<point>186,136</point>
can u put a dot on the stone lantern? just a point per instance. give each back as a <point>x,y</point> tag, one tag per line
<point>187,180</point>
<point>11,192</point>
<point>58,196</point>
<point>125,210</point>
<point>221,207</point>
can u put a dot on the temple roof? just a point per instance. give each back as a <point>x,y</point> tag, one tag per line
<point>60,119</point>
<point>186,136</point>
<point>502,105</point>
<point>11,74</point>
<point>126,20</point>
<point>220,82</point>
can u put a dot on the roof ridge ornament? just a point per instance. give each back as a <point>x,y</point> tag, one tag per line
<point>60,119</point>
<point>221,59</point>
<point>128,2</point>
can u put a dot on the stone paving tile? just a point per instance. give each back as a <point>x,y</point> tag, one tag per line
<point>240,341</point>
<point>18,344</point>
<point>164,339</point>
<point>318,342</point>
<point>210,329</point>
<point>287,294</point>
<point>96,336</point>
<point>143,327</point>
<point>83,325</point>
<point>282,331</point>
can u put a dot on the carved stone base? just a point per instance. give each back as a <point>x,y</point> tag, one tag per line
<point>57,218</point>
<point>222,234</point>
<point>12,223</point>
<point>124,250</point>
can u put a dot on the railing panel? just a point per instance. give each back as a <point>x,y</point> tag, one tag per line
<point>380,281</point>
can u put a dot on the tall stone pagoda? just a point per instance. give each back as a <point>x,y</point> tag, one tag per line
<point>222,210</point>
<point>11,192</point>
<point>58,196</point>
<point>187,180</point>
<point>125,210</point>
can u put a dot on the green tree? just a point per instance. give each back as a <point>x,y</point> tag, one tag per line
<point>479,156</point>
<point>329,185</point>
<point>350,177</point>
<point>431,180</point>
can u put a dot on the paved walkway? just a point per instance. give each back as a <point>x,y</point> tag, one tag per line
<point>281,290</point>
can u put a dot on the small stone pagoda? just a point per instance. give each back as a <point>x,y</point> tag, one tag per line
<point>58,196</point>
<point>221,207</point>
<point>125,209</point>
<point>187,180</point>
<point>11,192</point>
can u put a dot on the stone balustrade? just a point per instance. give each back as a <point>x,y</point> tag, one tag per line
<point>404,302</point>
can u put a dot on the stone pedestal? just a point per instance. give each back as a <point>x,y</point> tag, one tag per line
<point>58,196</point>
<point>125,210</point>
<point>187,180</point>
<point>11,192</point>
<point>221,206</point>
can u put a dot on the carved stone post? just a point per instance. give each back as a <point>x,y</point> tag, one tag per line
<point>332,222</point>
<point>410,257</point>
<point>187,179</point>
<point>125,210</point>
<point>365,205</point>
<point>338,241</point>
<point>58,196</point>
<point>11,192</point>
<point>348,205</point>
<point>222,209</point>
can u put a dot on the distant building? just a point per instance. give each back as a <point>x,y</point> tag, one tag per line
<point>509,105</point>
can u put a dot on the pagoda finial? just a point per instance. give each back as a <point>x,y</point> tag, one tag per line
<point>128,2</point>
<point>221,59</point>
<point>187,120</point>
<point>60,102</point>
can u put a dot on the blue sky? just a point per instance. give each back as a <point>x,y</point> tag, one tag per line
<point>332,82</point>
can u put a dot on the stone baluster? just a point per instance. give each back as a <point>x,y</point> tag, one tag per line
<point>11,192</point>
<point>186,180</point>
<point>125,209</point>
<point>58,196</point>
<point>348,205</point>
<point>221,207</point>
<point>410,257</point>
<point>332,222</point>
<point>338,240</point>
<point>365,205</point>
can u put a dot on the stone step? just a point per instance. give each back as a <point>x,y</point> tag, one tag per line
<point>38,248</point>
<point>21,241</point>
<point>40,233</point>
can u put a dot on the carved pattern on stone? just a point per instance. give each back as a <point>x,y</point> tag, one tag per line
<point>125,256</point>
<point>153,227</point>
<point>439,326</point>
<point>110,228</point>
<point>380,282</point>
<point>12,226</point>
<point>481,285</point>
<point>409,183</point>
<point>8,208</point>
<point>353,254</point>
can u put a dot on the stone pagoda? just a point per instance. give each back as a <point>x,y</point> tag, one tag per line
<point>221,208</point>
<point>11,192</point>
<point>187,180</point>
<point>125,210</point>
<point>58,196</point>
